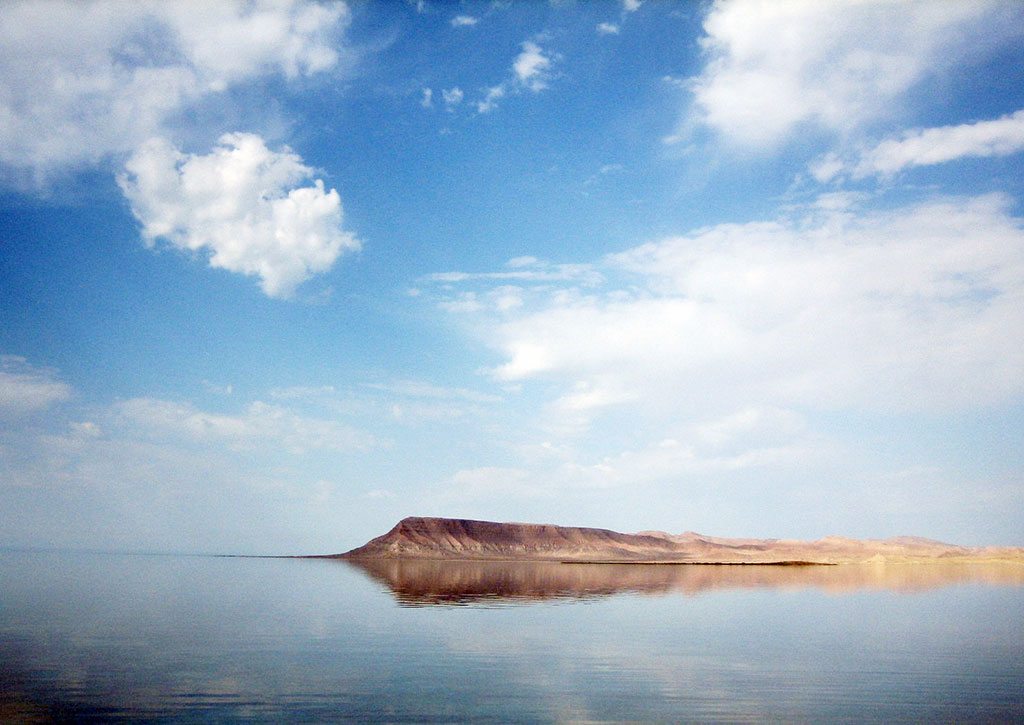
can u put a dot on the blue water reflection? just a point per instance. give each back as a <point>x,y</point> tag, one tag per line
<point>187,638</point>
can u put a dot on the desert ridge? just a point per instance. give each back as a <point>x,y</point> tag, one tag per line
<point>466,539</point>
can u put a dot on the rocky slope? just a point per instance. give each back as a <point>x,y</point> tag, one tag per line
<point>462,539</point>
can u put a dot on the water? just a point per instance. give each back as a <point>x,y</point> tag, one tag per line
<point>155,638</point>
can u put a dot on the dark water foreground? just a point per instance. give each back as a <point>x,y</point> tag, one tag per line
<point>153,638</point>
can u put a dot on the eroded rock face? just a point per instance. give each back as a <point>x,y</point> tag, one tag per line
<point>419,537</point>
<point>440,538</point>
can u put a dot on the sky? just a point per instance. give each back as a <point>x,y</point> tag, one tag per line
<point>274,275</point>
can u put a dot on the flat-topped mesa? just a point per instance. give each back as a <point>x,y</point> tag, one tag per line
<point>453,539</point>
<point>437,538</point>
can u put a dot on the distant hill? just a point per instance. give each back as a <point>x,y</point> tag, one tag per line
<point>464,539</point>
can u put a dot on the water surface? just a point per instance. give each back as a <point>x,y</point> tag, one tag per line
<point>190,638</point>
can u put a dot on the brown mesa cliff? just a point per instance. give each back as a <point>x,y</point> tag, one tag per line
<point>436,538</point>
<point>464,539</point>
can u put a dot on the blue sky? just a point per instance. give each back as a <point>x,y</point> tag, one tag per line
<point>275,275</point>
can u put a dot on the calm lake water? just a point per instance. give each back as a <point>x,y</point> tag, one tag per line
<point>163,638</point>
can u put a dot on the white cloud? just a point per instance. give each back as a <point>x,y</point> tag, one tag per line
<point>526,269</point>
<point>507,298</point>
<point>673,460</point>
<point>238,39</point>
<point>927,146</point>
<point>826,167</point>
<point>919,308</point>
<point>751,439</point>
<point>427,99</point>
<point>774,65</point>
<point>242,204</point>
<point>261,425</point>
<point>766,425</point>
<point>452,97</point>
<point>409,402</point>
<point>531,66</point>
<point>27,389</point>
<point>491,98</point>
<point>501,299</point>
<point>630,6</point>
<point>531,70</point>
<point>462,21</point>
<point>607,29</point>
<point>598,392</point>
<point>81,80</point>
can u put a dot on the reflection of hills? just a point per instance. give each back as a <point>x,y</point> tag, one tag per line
<point>420,582</point>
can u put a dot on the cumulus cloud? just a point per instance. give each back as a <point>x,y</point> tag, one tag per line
<point>607,29</point>
<point>531,66</point>
<point>531,70</point>
<point>81,80</point>
<point>462,21</point>
<point>772,66</point>
<point>452,97</point>
<point>917,308</point>
<point>928,146</point>
<point>260,425</point>
<point>242,205</point>
<point>27,389</point>
<point>490,99</point>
